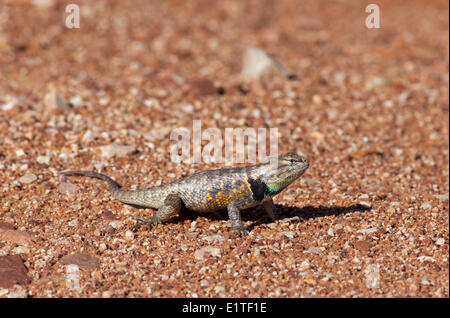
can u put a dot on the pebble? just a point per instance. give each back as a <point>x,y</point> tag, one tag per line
<point>256,63</point>
<point>18,294</point>
<point>376,81</point>
<point>304,265</point>
<point>21,250</point>
<point>152,102</point>
<point>20,152</point>
<point>82,260</point>
<point>15,236</point>
<point>9,105</point>
<point>440,241</point>
<point>116,224</point>
<point>309,181</point>
<point>317,99</point>
<point>72,276</point>
<point>129,234</point>
<point>289,235</point>
<point>426,206</point>
<point>54,100</point>
<point>118,151</point>
<point>12,271</point>
<point>202,87</point>
<point>67,188</point>
<point>213,238</point>
<point>441,197</point>
<point>314,250</point>
<point>76,100</point>
<point>367,231</point>
<point>43,160</point>
<point>206,251</point>
<point>28,178</point>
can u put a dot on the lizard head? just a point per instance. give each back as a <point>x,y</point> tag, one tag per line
<point>278,174</point>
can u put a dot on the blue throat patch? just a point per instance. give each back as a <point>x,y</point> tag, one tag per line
<point>273,189</point>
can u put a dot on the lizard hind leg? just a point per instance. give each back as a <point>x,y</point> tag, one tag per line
<point>171,208</point>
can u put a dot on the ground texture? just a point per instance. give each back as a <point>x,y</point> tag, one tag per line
<point>369,108</point>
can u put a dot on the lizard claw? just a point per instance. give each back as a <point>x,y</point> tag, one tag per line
<point>240,232</point>
<point>149,222</point>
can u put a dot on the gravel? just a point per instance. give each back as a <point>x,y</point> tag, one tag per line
<point>369,107</point>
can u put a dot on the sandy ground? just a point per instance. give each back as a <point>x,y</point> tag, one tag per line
<point>369,108</point>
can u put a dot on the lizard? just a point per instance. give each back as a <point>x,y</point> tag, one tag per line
<point>233,189</point>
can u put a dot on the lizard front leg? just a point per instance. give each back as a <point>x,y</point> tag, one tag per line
<point>171,208</point>
<point>236,222</point>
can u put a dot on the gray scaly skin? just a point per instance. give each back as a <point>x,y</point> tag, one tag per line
<point>234,189</point>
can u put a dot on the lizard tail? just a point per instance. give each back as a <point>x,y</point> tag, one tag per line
<point>114,187</point>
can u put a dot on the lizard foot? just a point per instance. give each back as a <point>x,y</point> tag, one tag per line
<point>154,220</point>
<point>240,232</point>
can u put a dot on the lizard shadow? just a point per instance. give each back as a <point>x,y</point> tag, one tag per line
<point>259,216</point>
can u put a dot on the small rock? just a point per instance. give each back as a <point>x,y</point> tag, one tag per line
<point>441,197</point>
<point>440,241</point>
<point>364,204</point>
<point>54,100</point>
<point>317,99</point>
<point>425,258</point>
<point>116,224</point>
<point>12,271</point>
<point>330,232</point>
<point>10,104</point>
<point>256,63</point>
<point>43,160</point>
<point>289,235</point>
<point>426,206</point>
<point>309,181</point>
<point>314,250</point>
<point>109,216</point>
<point>118,151</point>
<point>129,234</point>
<point>362,245</point>
<point>102,247</point>
<point>82,260</point>
<point>152,103</point>
<point>72,276</point>
<point>15,236</point>
<point>44,4</point>
<point>6,226</point>
<point>28,178</point>
<point>207,251</point>
<point>304,265</point>
<point>18,294</point>
<point>202,87</point>
<point>213,238</point>
<point>367,231</point>
<point>187,108</point>
<point>317,136</point>
<point>310,281</point>
<point>20,152</point>
<point>76,100</point>
<point>67,188</point>
<point>376,81</point>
